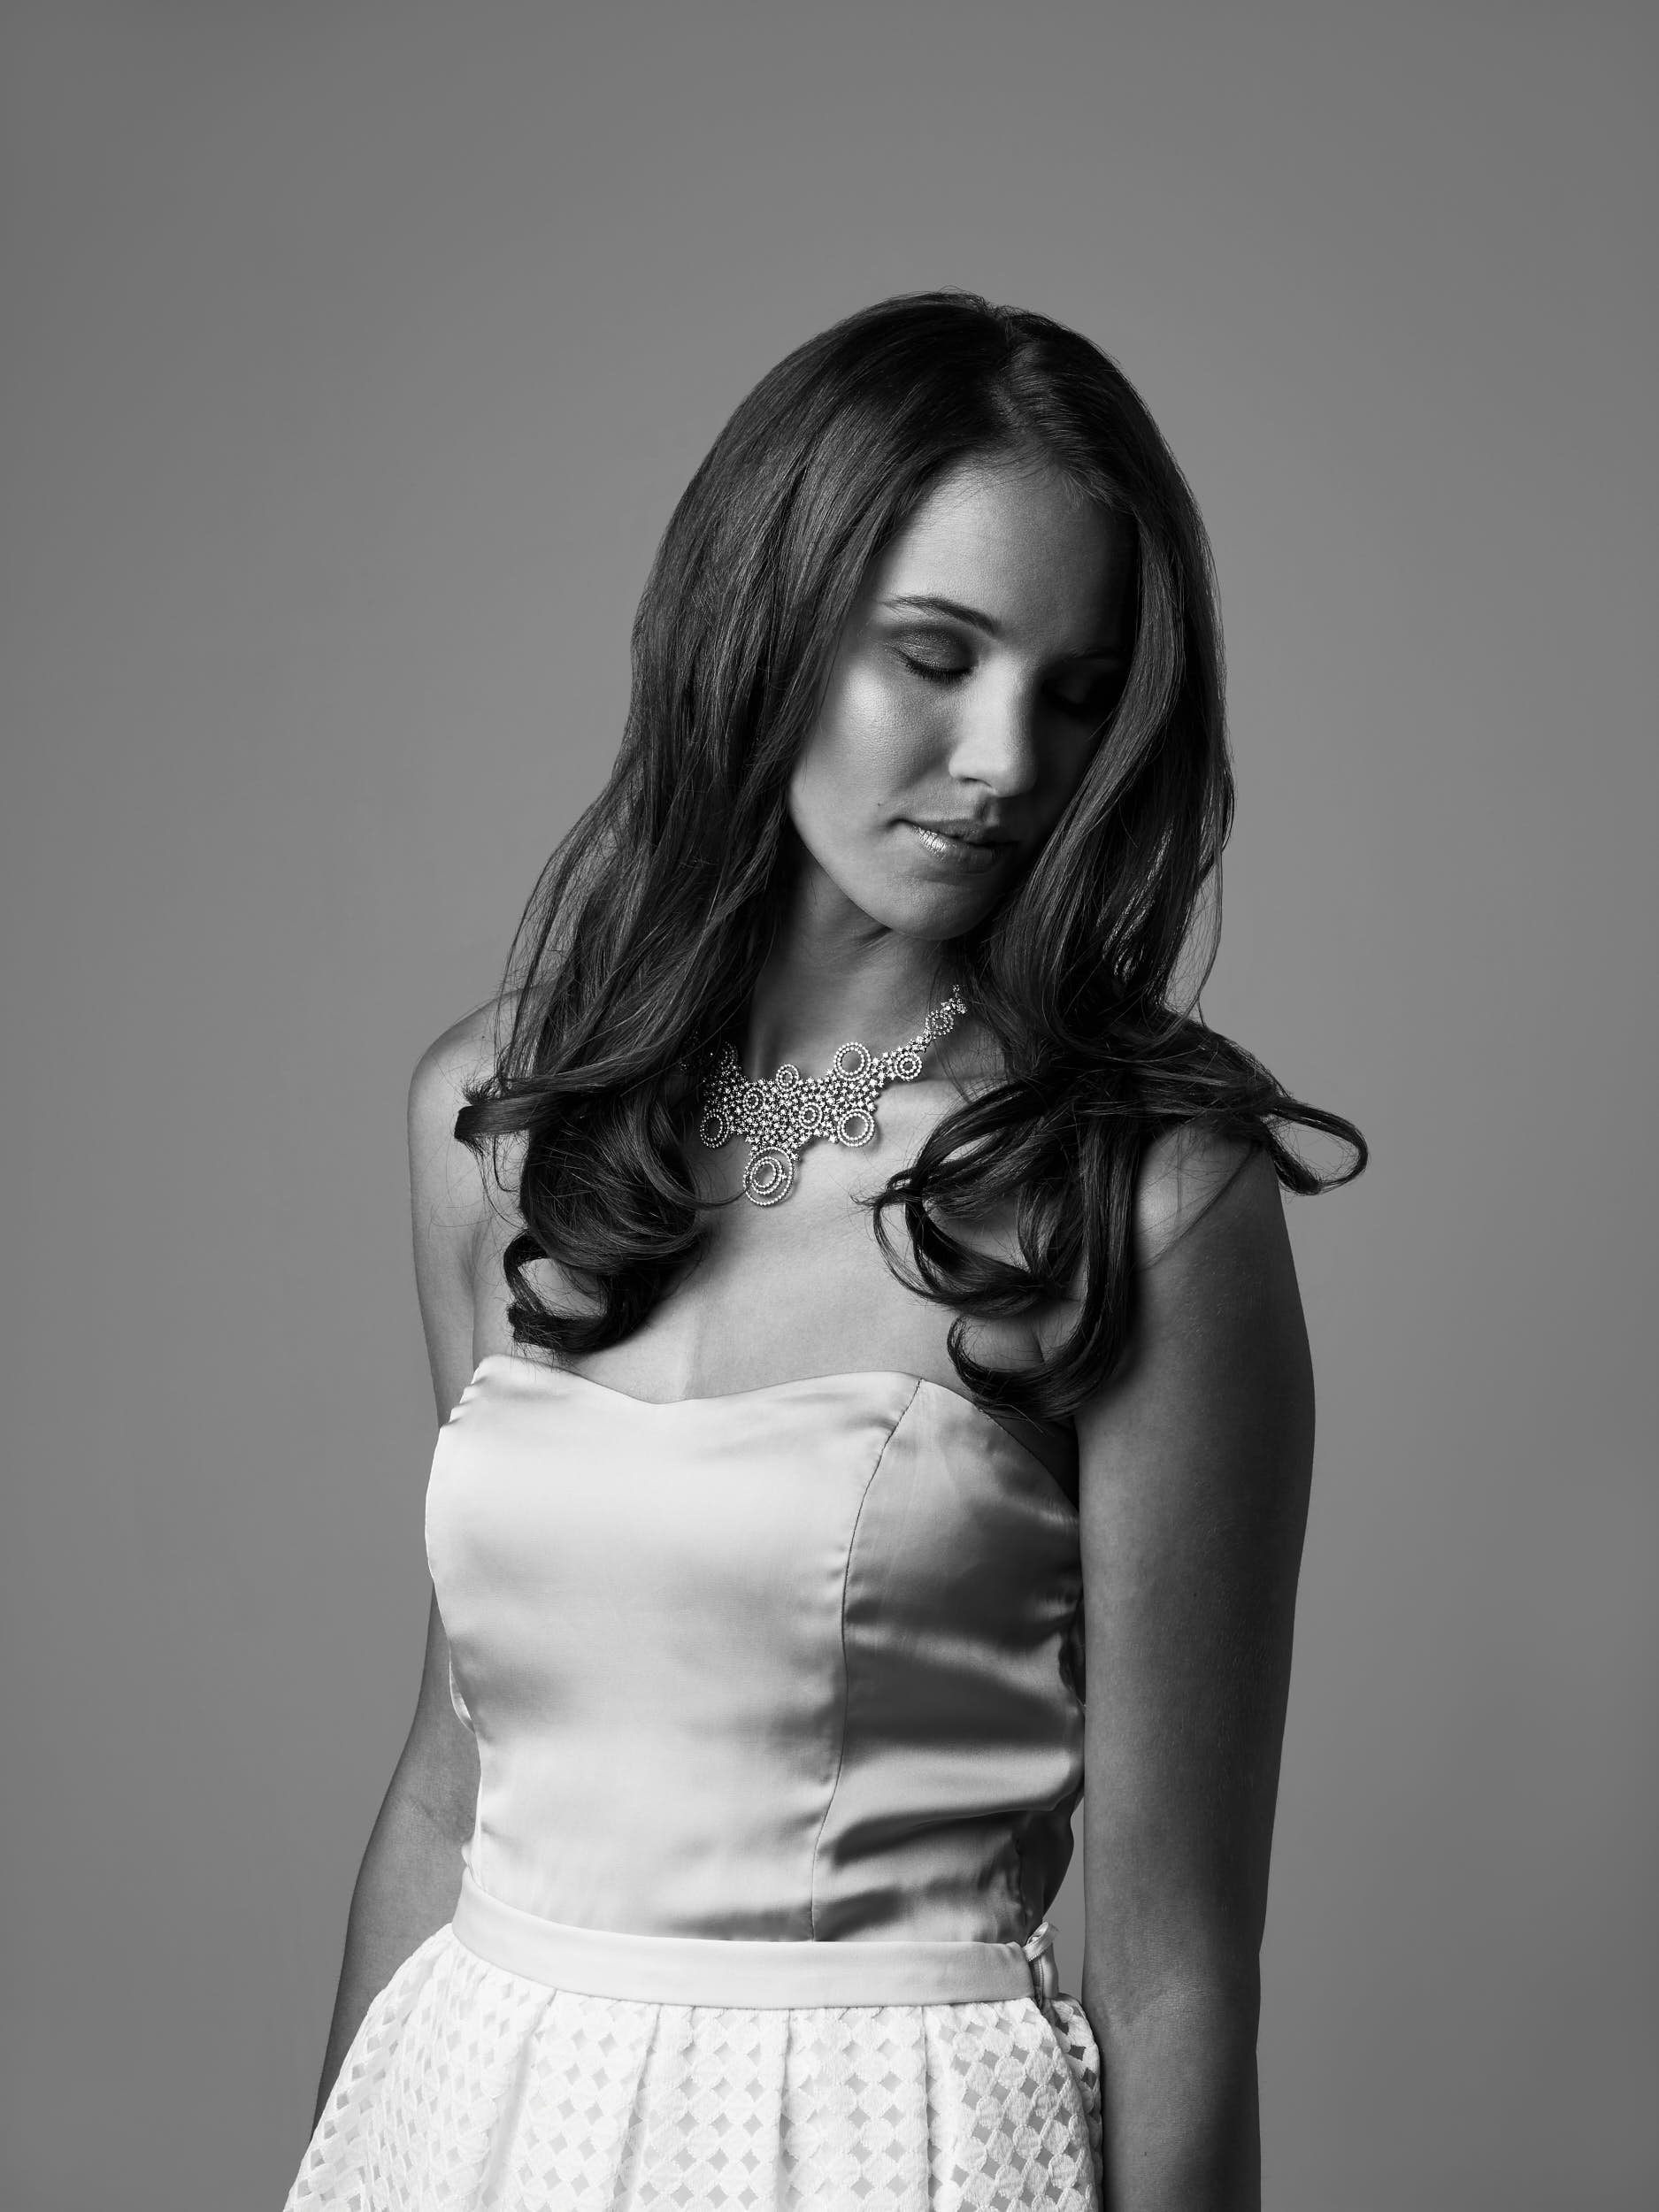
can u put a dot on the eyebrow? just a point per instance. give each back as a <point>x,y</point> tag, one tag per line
<point>976,620</point>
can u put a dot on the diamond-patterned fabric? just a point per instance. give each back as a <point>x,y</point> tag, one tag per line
<point>471,2089</point>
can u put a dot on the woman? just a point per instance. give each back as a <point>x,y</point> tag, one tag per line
<point>808,1398</point>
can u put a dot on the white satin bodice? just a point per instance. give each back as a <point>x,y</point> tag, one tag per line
<point>799,1661</point>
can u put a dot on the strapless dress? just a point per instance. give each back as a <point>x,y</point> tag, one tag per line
<point>778,1701</point>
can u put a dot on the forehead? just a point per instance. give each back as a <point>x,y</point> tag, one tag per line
<point>1019,543</point>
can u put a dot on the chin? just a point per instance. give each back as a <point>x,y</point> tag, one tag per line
<point>910,901</point>
<point>924,911</point>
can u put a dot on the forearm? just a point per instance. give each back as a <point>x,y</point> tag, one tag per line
<point>406,1888</point>
<point>1180,2104</point>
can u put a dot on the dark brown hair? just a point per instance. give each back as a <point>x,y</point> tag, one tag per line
<point>644,936</point>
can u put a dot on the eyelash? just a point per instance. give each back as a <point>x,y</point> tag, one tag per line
<point>1081,711</point>
<point>930,673</point>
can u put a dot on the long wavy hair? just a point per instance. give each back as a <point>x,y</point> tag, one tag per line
<point>645,931</point>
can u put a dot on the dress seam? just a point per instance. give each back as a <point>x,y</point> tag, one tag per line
<point>847,1576</point>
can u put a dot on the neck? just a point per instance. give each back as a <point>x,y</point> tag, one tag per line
<point>833,975</point>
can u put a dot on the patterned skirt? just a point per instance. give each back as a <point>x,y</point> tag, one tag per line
<point>477,2082</point>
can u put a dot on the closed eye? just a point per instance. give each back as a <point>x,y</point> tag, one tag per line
<point>934,671</point>
<point>1092,707</point>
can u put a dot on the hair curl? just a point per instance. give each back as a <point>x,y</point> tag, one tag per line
<point>645,934</point>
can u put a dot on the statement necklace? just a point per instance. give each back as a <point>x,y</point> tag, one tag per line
<point>778,1118</point>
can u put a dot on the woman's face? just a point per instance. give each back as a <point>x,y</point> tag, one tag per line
<point>987,646</point>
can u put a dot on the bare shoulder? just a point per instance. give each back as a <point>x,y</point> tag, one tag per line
<point>443,1173</point>
<point>452,1192</point>
<point>1214,1270</point>
<point>1188,1175</point>
<point>1217,1348</point>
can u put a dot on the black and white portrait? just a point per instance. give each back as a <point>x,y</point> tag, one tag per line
<point>829,1247</point>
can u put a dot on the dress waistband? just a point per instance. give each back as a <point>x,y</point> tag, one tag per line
<point>713,1971</point>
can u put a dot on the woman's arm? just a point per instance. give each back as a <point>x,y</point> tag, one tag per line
<point>1195,1466</point>
<point>410,1874</point>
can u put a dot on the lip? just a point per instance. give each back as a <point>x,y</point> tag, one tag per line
<point>967,829</point>
<point>963,848</point>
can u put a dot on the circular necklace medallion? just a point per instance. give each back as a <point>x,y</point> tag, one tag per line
<point>778,1118</point>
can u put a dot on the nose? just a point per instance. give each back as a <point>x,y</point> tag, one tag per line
<point>994,740</point>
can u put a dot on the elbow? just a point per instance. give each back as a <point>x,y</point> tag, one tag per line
<point>1214,2000</point>
<point>1178,2062</point>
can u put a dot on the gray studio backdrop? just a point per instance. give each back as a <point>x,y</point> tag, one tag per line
<point>354,357</point>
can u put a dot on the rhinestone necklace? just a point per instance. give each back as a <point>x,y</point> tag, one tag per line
<point>778,1118</point>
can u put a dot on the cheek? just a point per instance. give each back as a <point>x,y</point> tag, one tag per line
<point>866,748</point>
<point>1066,750</point>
